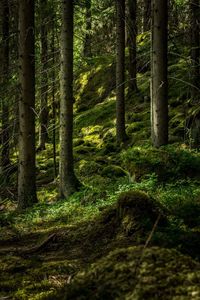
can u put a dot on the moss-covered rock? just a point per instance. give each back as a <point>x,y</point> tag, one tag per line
<point>83,149</point>
<point>138,273</point>
<point>88,168</point>
<point>130,220</point>
<point>113,171</point>
<point>136,211</point>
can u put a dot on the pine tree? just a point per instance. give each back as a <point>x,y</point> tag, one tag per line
<point>120,72</point>
<point>43,134</point>
<point>68,181</point>
<point>5,134</point>
<point>26,180</point>
<point>159,92</point>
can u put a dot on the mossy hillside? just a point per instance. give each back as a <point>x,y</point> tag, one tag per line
<point>83,234</point>
<point>138,273</point>
<point>75,247</point>
<point>90,88</point>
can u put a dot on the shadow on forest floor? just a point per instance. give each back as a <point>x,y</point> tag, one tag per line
<point>37,265</point>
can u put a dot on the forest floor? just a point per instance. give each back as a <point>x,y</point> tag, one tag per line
<point>90,246</point>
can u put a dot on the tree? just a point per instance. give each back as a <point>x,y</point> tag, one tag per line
<point>195,47</point>
<point>146,15</point>
<point>26,180</point>
<point>43,134</point>
<point>120,71</point>
<point>132,35</point>
<point>159,92</point>
<point>5,135</point>
<point>87,43</point>
<point>53,96</point>
<point>68,181</point>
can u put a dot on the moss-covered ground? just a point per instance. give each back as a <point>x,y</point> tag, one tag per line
<point>133,231</point>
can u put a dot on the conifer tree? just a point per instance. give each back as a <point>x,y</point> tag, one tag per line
<point>68,181</point>
<point>26,179</point>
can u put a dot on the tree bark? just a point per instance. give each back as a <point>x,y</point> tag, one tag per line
<point>132,35</point>
<point>87,43</point>
<point>120,72</point>
<point>147,15</point>
<point>195,48</point>
<point>159,93</point>
<point>5,135</point>
<point>68,181</point>
<point>53,98</point>
<point>26,181</point>
<point>43,133</point>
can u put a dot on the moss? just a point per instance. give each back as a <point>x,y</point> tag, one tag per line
<point>91,90</point>
<point>88,168</point>
<point>137,211</point>
<point>113,171</point>
<point>129,220</point>
<point>84,149</point>
<point>168,163</point>
<point>97,115</point>
<point>134,273</point>
<point>78,142</point>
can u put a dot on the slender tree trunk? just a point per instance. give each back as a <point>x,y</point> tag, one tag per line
<point>5,135</point>
<point>195,45</point>
<point>26,181</point>
<point>159,93</point>
<point>68,181</point>
<point>43,134</point>
<point>147,15</point>
<point>132,35</point>
<point>120,72</point>
<point>53,99</point>
<point>87,43</point>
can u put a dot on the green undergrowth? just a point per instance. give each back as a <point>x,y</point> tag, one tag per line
<point>93,230</point>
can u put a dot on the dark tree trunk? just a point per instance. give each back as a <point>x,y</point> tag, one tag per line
<point>43,133</point>
<point>26,181</point>
<point>68,181</point>
<point>147,15</point>
<point>5,135</point>
<point>53,99</point>
<point>132,35</point>
<point>120,71</point>
<point>159,92</point>
<point>87,43</point>
<point>195,48</point>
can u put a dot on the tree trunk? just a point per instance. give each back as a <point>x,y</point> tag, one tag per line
<point>132,35</point>
<point>43,134</point>
<point>26,181</point>
<point>68,181</point>
<point>159,93</point>
<point>147,15</point>
<point>87,43</point>
<point>120,72</point>
<point>5,135</point>
<point>195,48</point>
<point>53,98</point>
